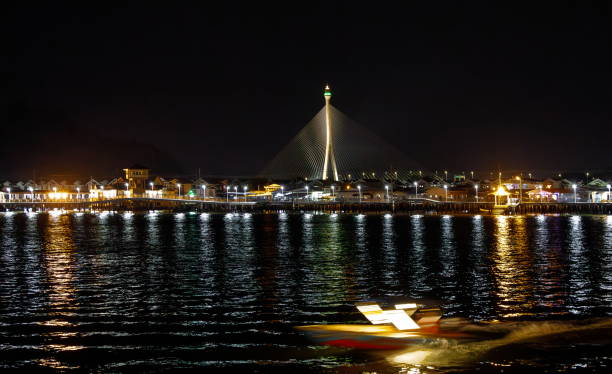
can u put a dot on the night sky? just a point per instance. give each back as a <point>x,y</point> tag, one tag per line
<point>455,86</point>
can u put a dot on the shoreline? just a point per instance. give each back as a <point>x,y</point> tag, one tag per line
<point>300,212</point>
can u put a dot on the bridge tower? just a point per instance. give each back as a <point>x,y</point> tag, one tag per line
<point>329,144</point>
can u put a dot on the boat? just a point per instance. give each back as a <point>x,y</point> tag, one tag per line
<point>406,323</point>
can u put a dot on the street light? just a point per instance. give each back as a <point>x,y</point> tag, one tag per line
<point>31,193</point>
<point>306,192</point>
<point>472,173</point>
<point>283,191</point>
<point>416,186</point>
<point>244,188</point>
<point>333,188</point>
<point>227,192</point>
<point>446,192</point>
<point>235,192</point>
<point>387,190</point>
<point>445,175</point>
<point>204,188</point>
<point>476,187</point>
<point>126,188</point>
<point>574,187</point>
<point>9,193</point>
<point>179,188</point>
<point>359,188</point>
<point>78,193</point>
<point>609,193</point>
<point>151,184</point>
<point>518,178</point>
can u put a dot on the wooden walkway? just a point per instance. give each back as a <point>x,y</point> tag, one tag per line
<point>218,205</point>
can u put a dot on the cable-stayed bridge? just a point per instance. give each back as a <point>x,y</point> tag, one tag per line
<point>333,147</point>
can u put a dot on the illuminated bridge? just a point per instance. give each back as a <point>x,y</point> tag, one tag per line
<point>334,147</point>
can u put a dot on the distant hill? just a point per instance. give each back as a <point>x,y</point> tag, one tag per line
<point>44,142</point>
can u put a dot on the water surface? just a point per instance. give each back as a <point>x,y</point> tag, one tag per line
<point>153,292</point>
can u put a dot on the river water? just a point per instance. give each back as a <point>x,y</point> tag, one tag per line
<point>133,292</point>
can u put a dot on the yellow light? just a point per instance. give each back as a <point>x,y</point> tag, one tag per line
<point>501,191</point>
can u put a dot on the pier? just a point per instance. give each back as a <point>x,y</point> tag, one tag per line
<point>416,205</point>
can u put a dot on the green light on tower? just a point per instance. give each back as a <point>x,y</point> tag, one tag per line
<point>327,91</point>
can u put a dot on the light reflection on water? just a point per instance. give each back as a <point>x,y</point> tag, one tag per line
<point>513,268</point>
<point>108,290</point>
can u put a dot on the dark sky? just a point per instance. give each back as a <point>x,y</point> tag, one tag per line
<point>456,86</point>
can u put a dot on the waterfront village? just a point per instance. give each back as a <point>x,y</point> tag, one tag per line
<point>138,182</point>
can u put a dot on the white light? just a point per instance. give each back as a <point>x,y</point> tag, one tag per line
<point>400,320</point>
<point>406,306</point>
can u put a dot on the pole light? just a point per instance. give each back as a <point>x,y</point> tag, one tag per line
<point>416,187</point>
<point>31,192</point>
<point>227,192</point>
<point>472,173</point>
<point>387,190</point>
<point>204,188</point>
<point>283,191</point>
<point>359,188</point>
<point>574,187</point>
<point>333,188</point>
<point>244,188</point>
<point>307,192</point>
<point>476,187</point>
<point>446,192</point>
<point>609,198</point>
<point>445,175</point>
<point>518,178</point>
<point>78,193</point>
<point>152,186</point>
<point>235,192</point>
<point>9,193</point>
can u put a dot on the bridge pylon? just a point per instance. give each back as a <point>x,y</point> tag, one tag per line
<point>330,157</point>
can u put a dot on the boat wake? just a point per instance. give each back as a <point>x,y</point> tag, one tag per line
<point>525,341</point>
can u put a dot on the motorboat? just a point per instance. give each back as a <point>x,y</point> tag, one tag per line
<point>402,324</point>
